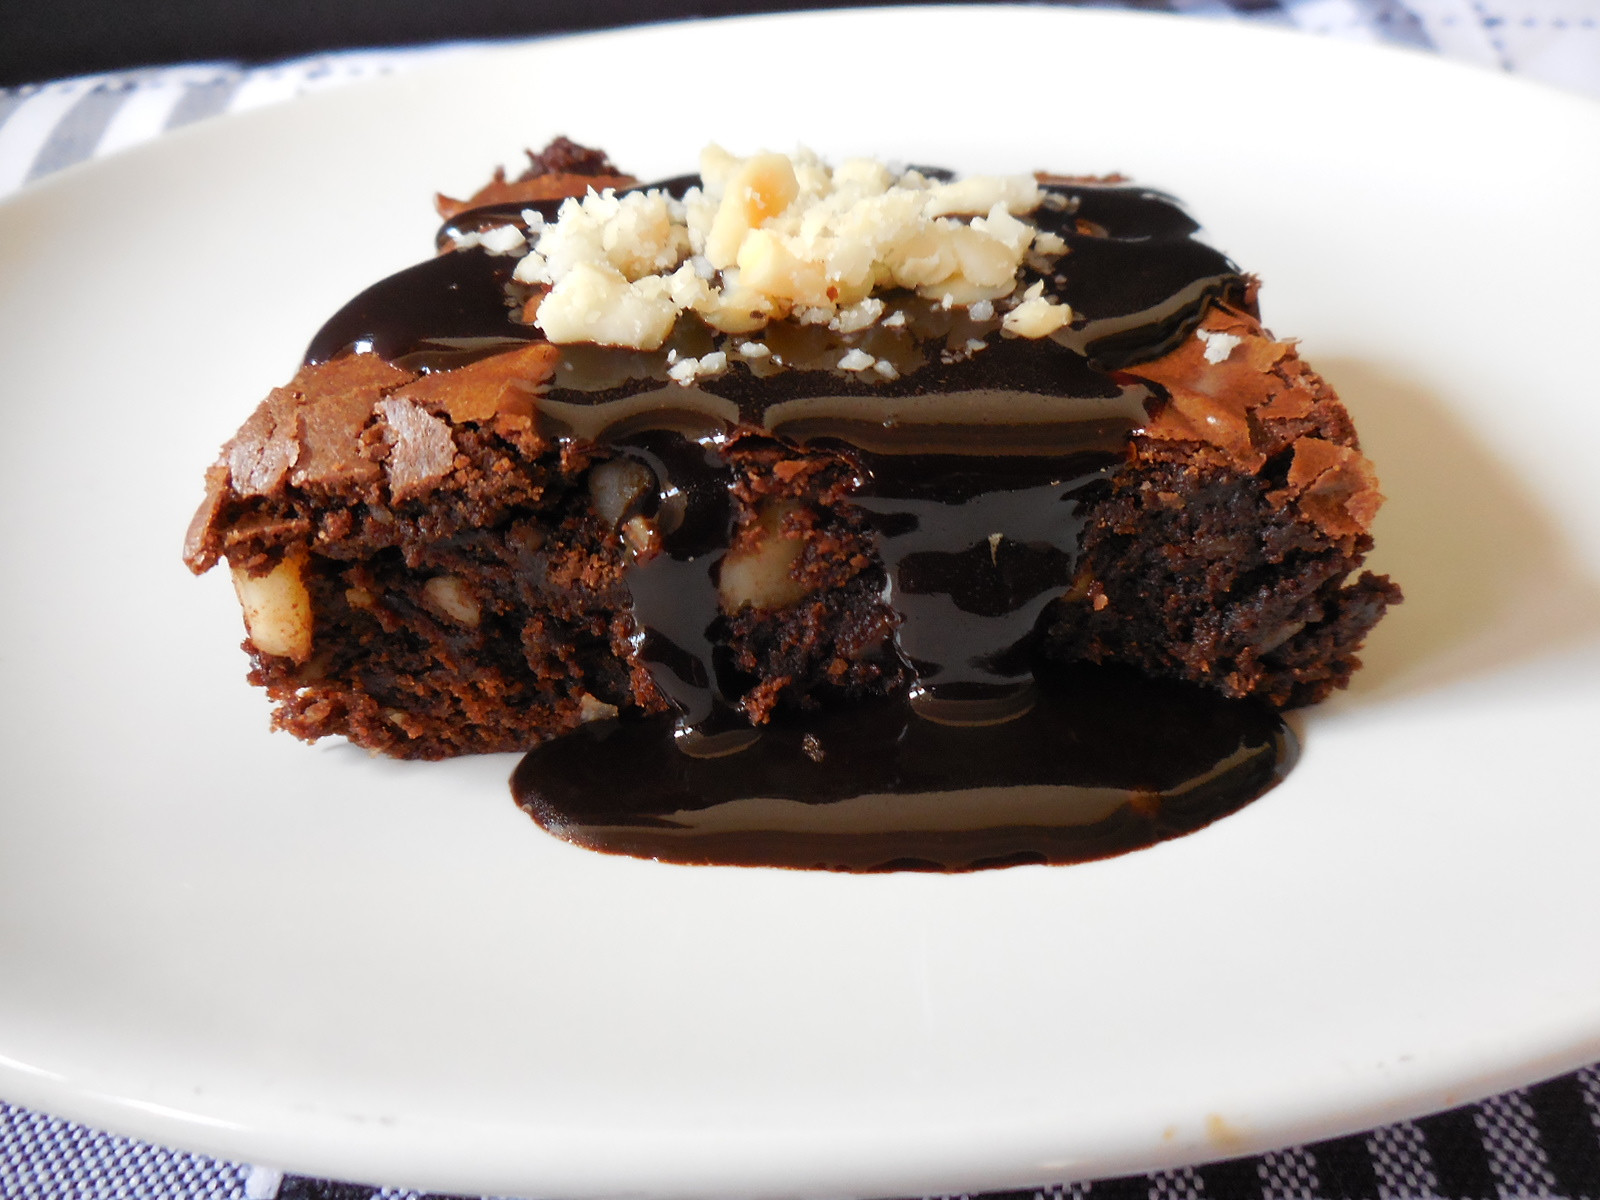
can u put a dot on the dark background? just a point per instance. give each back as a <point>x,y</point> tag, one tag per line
<point>48,39</point>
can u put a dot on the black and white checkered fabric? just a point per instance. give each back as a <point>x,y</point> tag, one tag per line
<point>44,127</point>
<point>1539,1143</point>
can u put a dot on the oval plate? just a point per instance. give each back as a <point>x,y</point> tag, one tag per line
<point>221,938</point>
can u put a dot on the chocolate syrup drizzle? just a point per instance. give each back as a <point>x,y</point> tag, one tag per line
<point>972,463</point>
<point>1102,762</point>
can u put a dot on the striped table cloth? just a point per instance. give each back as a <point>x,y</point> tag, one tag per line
<point>44,127</point>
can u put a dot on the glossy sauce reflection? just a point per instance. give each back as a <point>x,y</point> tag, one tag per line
<point>1099,763</point>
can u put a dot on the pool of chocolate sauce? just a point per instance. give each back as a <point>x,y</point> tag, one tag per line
<point>1090,762</point>
<point>973,458</point>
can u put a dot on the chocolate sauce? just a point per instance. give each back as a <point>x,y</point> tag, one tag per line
<point>429,316</point>
<point>1099,762</point>
<point>973,454</point>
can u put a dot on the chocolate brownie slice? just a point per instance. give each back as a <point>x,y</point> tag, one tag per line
<point>516,488</point>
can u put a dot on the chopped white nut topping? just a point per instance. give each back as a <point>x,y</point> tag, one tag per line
<point>686,370</point>
<point>984,193</point>
<point>778,236</point>
<point>856,360</point>
<point>1218,344</point>
<point>1036,316</point>
<point>858,316</point>
<point>503,239</point>
<point>756,189</point>
<point>635,234</point>
<point>593,303</point>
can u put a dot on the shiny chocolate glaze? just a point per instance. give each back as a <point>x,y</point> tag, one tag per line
<point>1096,762</point>
<point>971,452</point>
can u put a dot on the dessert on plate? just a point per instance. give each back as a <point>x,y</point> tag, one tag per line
<point>732,454</point>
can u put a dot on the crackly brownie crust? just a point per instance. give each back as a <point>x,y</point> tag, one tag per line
<point>1222,552</point>
<point>380,491</point>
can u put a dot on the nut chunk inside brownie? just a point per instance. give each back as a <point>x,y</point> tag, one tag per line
<point>780,435</point>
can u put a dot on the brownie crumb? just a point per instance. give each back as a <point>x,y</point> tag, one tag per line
<point>563,156</point>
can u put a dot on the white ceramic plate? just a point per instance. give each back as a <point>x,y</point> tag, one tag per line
<point>220,938</point>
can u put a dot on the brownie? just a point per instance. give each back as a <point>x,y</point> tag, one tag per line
<point>1223,551</point>
<point>456,531</point>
